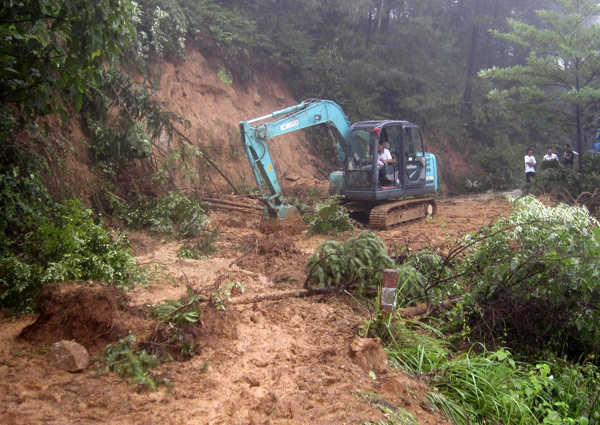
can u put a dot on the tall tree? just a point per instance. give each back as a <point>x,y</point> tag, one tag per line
<point>48,47</point>
<point>560,81</point>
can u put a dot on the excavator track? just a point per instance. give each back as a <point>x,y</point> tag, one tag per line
<point>389,214</point>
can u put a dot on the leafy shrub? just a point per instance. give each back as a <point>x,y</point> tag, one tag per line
<point>21,194</point>
<point>43,242</point>
<point>122,146</point>
<point>302,208</point>
<point>20,281</point>
<point>329,218</point>
<point>73,247</point>
<point>533,280</point>
<point>565,183</point>
<point>176,312</point>
<point>481,386</point>
<point>225,76</point>
<point>120,359</point>
<point>502,169</point>
<point>358,261</point>
<point>124,120</point>
<point>232,30</point>
<point>202,247</point>
<point>425,277</point>
<point>176,214</point>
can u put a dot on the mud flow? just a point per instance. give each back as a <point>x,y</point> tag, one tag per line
<point>296,360</point>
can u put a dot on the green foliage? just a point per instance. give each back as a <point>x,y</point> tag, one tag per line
<point>232,29</point>
<point>176,214</point>
<point>21,192</point>
<point>175,332</point>
<point>565,183</point>
<point>20,281</point>
<point>533,279</point>
<point>43,242</point>
<point>177,312</point>
<point>111,144</point>
<point>302,208</point>
<point>120,359</point>
<point>225,76</point>
<point>140,121</point>
<point>558,85</point>
<point>162,26</point>
<point>202,247</point>
<point>425,277</point>
<point>329,218</point>
<point>356,262</point>
<point>501,167</point>
<point>51,48</point>
<point>480,386</point>
<point>74,247</point>
<point>223,294</point>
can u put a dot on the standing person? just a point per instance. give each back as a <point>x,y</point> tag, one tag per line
<point>530,164</point>
<point>550,156</point>
<point>568,156</point>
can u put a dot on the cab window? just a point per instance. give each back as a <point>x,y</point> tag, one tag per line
<point>413,143</point>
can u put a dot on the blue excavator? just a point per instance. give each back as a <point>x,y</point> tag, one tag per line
<point>387,192</point>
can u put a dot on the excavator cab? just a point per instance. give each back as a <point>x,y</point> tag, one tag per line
<point>410,173</point>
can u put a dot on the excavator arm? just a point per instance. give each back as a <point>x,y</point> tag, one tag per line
<point>256,132</point>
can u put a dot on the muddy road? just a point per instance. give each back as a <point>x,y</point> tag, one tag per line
<point>290,361</point>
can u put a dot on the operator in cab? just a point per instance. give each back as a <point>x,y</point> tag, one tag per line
<point>383,160</point>
<point>385,157</point>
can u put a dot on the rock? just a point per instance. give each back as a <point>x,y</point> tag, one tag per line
<point>70,356</point>
<point>369,354</point>
<point>292,177</point>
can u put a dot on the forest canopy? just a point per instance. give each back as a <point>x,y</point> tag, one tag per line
<point>499,74</point>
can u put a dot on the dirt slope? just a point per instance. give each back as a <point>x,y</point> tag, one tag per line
<point>194,90</point>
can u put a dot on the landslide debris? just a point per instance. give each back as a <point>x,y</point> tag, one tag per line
<point>93,314</point>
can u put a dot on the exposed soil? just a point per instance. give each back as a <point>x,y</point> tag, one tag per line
<point>291,361</point>
<point>92,314</point>
<point>288,361</point>
<point>194,90</point>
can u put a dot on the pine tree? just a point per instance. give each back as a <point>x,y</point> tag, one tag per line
<point>560,82</point>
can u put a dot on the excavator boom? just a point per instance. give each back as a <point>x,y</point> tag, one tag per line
<point>257,131</point>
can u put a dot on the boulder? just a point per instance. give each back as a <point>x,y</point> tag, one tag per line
<point>369,354</point>
<point>70,356</point>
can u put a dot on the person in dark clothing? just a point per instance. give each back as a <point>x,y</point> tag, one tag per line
<point>568,156</point>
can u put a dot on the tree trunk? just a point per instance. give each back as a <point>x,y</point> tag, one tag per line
<point>369,27</point>
<point>386,19</point>
<point>579,138</point>
<point>578,118</point>
<point>278,16</point>
<point>471,66</point>
<point>380,13</point>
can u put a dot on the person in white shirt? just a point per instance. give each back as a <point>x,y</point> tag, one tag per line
<point>385,157</point>
<point>530,164</point>
<point>550,156</point>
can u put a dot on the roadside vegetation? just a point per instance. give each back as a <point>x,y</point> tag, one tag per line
<point>44,241</point>
<point>519,342</point>
<point>510,326</point>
